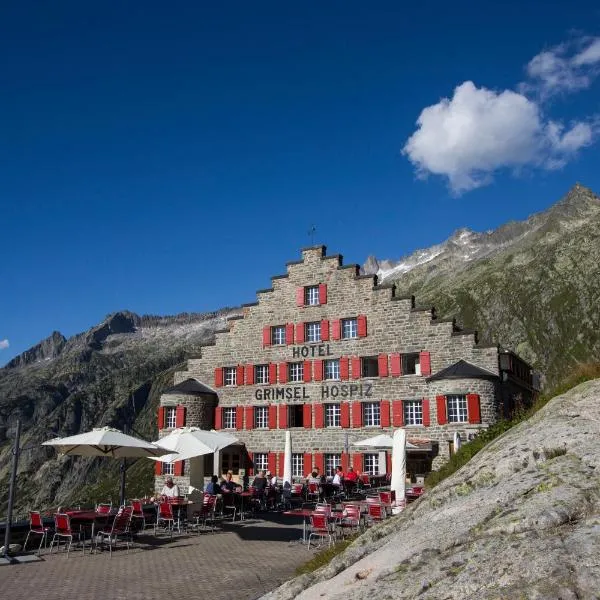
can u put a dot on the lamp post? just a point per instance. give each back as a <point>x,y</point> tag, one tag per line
<point>16,451</point>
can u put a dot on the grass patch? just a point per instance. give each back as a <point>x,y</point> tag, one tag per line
<point>580,374</point>
<point>324,557</point>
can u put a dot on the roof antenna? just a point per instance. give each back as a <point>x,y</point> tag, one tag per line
<point>311,234</point>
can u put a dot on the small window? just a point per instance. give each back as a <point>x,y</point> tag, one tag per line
<point>370,366</point>
<point>230,462</point>
<point>411,364</point>
<point>296,371</point>
<point>371,414</point>
<point>313,332</point>
<point>371,464</point>
<point>296,415</point>
<point>349,328</point>
<point>171,416</point>
<point>261,461</point>
<point>168,468</point>
<point>457,408</point>
<point>332,462</point>
<point>230,375</point>
<point>297,464</point>
<point>332,415</point>
<point>278,335</point>
<point>261,373</point>
<point>261,417</point>
<point>229,418</point>
<point>413,412</point>
<point>332,369</point>
<point>311,295</point>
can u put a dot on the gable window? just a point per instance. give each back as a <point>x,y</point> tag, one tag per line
<point>370,366</point>
<point>349,328</point>
<point>413,412</point>
<point>371,414</point>
<point>171,416</point>
<point>296,371</point>
<point>230,375</point>
<point>261,461</point>
<point>332,415</point>
<point>261,417</point>
<point>332,369</point>
<point>457,408</point>
<point>229,418</point>
<point>332,461</point>
<point>296,415</point>
<point>313,332</point>
<point>261,373</point>
<point>371,463</point>
<point>297,464</point>
<point>410,364</point>
<point>278,335</point>
<point>311,295</point>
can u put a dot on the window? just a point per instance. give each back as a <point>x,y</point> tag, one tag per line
<point>410,364</point>
<point>261,373</point>
<point>371,414</point>
<point>370,366</point>
<point>413,412</point>
<point>230,375</point>
<point>278,335</point>
<point>229,417</point>
<point>168,468</point>
<point>349,328</point>
<point>311,295</point>
<point>170,416</point>
<point>313,332</point>
<point>261,417</point>
<point>297,465</point>
<point>332,415</point>
<point>230,462</point>
<point>332,369</point>
<point>457,408</point>
<point>261,461</point>
<point>296,371</point>
<point>296,415</point>
<point>371,464</point>
<point>332,462</point>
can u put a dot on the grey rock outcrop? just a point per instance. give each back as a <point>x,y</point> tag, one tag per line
<point>520,520</point>
<point>51,347</point>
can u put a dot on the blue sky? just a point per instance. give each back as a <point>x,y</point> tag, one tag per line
<point>171,157</point>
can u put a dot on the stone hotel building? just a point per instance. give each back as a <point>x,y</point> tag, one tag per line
<point>331,356</point>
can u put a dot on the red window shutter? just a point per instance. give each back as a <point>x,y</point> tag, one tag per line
<point>319,461</point>
<point>473,408</point>
<point>318,370</point>
<point>239,417</point>
<point>325,330</point>
<point>319,416</point>
<point>425,362</point>
<point>240,375</point>
<point>344,368</point>
<point>385,413</point>
<point>283,416</point>
<point>283,371</point>
<point>219,417</point>
<point>397,413</point>
<point>307,371</point>
<point>249,417</point>
<point>345,458</point>
<point>300,296</point>
<point>395,365</point>
<point>272,416</point>
<point>355,363</point>
<point>250,464</point>
<point>158,468</point>
<point>357,462</point>
<point>426,412</point>
<point>271,462</point>
<point>299,333</point>
<point>280,459</point>
<point>180,416</point>
<point>179,468</point>
<point>219,377</point>
<point>272,373</point>
<point>307,466</point>
<point>307,416</point>
<point>441,409</point>
<point>336,329</point>
<point>361,323</point>
<point>289,333</point>
<point>356,414</point>
<point>383,365</point>
<point>249,374</point>
<point>344,414</point>
<point>161,417</point>
<point>323,293</point>
<point>266,335</point>
<point>388,462</point>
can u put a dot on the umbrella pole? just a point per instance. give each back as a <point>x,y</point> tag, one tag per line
<point>11,490</point>
<point>122,486</point>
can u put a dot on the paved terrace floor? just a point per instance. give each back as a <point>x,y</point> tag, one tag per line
<point>243,560</point>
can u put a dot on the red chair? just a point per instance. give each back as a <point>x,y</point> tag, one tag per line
<point>164,515</point>
<point>120,527</point>
<point>103,508</point>
<point>365,481</point>
<point>386,500</point>
<point>206,516</point>
<point>376,513</point>
<point>319,527</point>
<point>36,525</point>
<point>62,529</point>
<point>137,514</point>
<point>350,520</point>
<point>313,492</point>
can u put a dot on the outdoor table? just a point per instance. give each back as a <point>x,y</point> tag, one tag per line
<point>305,513</point>
<point>89,518</point>
<point>241,496</point>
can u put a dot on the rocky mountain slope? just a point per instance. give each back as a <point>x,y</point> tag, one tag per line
<point>533,286</point>
<point>520,520</point>
<point>112,374</point>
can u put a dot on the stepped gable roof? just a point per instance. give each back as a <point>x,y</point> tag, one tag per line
<point>462,370</point>
<point>190,386</point>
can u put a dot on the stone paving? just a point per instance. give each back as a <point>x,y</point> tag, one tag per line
<point>243,560</point>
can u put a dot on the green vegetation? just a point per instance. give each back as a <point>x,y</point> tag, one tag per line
<point>324,557</point>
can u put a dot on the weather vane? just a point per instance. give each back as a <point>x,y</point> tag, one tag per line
<point>311,234</point>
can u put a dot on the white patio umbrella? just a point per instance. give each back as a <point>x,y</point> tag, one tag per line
<point>287,460</point>
<point>457,441</point>
<point>189,442</point>
<point>381,441</point>
<point>399,469</point>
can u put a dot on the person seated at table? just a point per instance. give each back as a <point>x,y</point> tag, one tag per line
<point>351,476</point>
<point>314,477</point>
<point>170,490</point>
<point>228,485</point>
<point>272,480</point>
<point>260,485</point>
<point>212,487</point>
<point>338,477</point>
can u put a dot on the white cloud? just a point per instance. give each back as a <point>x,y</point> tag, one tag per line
<point>478,131</point>
<point>4,344</point>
